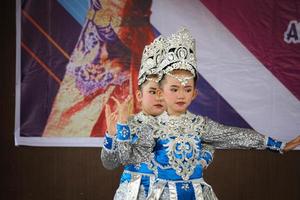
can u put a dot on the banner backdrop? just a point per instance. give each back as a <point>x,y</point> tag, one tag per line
<point>73,56</point>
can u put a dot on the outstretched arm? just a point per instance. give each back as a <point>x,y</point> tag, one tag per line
<point>229,137</point>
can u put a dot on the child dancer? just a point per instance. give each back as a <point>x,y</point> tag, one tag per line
<point>137,178</point>
<point>181,133</point>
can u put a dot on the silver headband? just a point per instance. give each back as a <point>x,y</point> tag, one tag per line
<point>183,80</point>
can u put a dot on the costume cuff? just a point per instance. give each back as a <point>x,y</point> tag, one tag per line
<point>275,144</point>
<point>123,132</point>
<point>207,158</point>
<point>109,142</point>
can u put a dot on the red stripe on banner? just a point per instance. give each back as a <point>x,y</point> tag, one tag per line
<point>28,50</point>
<point>263,27</point>
<point>29,18</point>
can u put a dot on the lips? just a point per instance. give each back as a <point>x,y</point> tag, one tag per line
<point>180,103</point>
<point>158,105</point>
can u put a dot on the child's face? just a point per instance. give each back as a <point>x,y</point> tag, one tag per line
<point>176,95</point>
<point>151,99</point>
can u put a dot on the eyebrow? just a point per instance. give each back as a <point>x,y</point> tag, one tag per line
<point>176,86</point>
<point>188,86</point>
<point>152,88</point>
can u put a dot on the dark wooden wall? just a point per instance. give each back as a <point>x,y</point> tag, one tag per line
<point>31,173</point>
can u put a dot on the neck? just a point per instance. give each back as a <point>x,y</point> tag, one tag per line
<point>174,113</point>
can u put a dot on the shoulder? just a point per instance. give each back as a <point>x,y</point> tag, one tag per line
<point>141,121</point>
<point>136,118</point>
<point>197,119</point>
<point>201,124</point>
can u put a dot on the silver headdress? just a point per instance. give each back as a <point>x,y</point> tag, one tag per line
<point>152,57</point>
<point>180,53</point>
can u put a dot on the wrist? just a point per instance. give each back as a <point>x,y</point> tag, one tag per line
<point>123,120</point>
<point>108,142</point>
<point>123,132</point>
<point>276,145</point>
<point>111,133</point>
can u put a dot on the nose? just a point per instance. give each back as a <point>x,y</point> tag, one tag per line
<point>180,94</point>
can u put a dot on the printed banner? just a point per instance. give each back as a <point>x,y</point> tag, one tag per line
<point>72,57</point>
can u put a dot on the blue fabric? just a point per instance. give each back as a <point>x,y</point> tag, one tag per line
<point>183,151</point>
<point>170,174</point>
<point>108,142</point>
<point>207,157</point>
<point>123,132</point>
<point>185,191</point>
<point>161,157</point>
<point>273,144</point>
<point>160,152</point>
<point>134,138</point>
<point>146,183</point>
<point>142,168</point>
<point>126,177</point>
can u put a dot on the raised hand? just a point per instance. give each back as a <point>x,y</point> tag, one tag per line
<point>125,109</point>
<point>292,144</point>
<point>111,120</point>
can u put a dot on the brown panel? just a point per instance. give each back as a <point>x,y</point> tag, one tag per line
<point>31,173</point>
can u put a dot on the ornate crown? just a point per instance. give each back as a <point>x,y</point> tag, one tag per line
<point>152,56</point>
<point>180,52</point>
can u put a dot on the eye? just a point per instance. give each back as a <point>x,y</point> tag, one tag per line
<point>174,90</point>
<point>188,90</point>
<point>152,92</point>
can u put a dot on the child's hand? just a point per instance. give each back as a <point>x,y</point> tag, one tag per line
<point>292,144</point>
<point>111,120</point>
<point>125,109</point>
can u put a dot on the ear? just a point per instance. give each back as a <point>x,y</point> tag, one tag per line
<point>139,95</point>
<point>196,92</point>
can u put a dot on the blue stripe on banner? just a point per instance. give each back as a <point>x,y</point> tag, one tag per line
<point>77,9</point>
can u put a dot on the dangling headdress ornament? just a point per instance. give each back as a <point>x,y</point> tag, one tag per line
<point>152,57</point>
<point>180,53</point>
